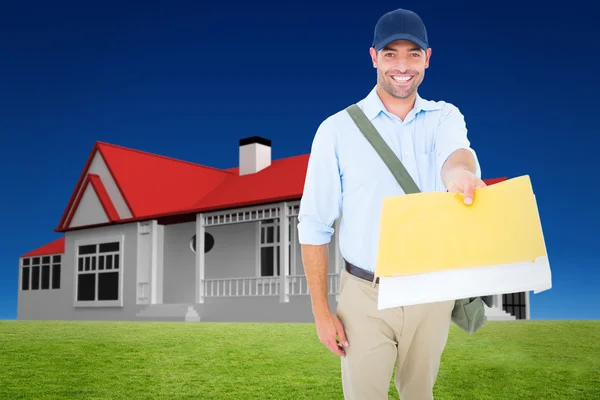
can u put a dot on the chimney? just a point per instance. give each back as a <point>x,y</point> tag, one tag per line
<point>255,154</point>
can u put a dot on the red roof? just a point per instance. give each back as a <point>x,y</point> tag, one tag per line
<point>55,247</point>
<point>156,186</point>
<point>151,184</point>
<point>283,180</point>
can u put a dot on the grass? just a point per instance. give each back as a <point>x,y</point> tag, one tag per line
<point>159,360</point>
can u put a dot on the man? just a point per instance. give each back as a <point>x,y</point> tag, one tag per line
<point>346,176</point>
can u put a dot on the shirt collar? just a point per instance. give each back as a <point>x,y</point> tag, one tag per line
<point>372,105</point>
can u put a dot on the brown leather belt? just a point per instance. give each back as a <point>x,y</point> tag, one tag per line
<point>360,273</point>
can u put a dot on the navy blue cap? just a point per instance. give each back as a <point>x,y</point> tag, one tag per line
<point>400,24</point>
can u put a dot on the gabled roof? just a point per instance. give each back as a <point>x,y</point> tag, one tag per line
<point>105,201</point>
<point>154,186</point>
<point>150,184</point>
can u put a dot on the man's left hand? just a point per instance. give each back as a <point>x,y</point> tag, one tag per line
<point>465,182</point>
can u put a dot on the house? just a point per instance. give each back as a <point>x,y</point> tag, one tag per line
<point>129,249</point>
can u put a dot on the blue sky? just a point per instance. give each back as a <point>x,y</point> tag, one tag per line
<point>170,77</point>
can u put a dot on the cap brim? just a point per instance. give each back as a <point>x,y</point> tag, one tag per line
<point>399,36</point>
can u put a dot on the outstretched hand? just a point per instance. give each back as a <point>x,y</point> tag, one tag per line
<point>465,182</point>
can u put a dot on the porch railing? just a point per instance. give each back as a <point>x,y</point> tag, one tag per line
<point>299,285</point>
<point>263,286</point>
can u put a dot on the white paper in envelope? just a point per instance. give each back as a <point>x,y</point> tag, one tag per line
<point>463,283</point>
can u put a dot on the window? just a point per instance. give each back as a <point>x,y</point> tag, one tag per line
<point>41,273</point>
<point>514,304</point>
<point>209,242</point>
<point>269,250</point>
<point>98,271</point>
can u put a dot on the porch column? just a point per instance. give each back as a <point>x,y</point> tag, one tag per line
<point>498,301</point>
<point>284,252</point>
<point>527,305</point>
<point>200,258</point>
<point>154,262</point>
<point>337,258</point>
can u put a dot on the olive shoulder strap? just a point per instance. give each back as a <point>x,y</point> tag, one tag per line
<point>387,155</point>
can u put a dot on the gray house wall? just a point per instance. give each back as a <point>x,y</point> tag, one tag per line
<point>259,309</point>
<point>58,304</point>
<point>178,264</point>
<point>89,210</point>
<point>234,255</point>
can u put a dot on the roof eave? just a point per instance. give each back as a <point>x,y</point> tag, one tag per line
<point>82,178</point>
<point>45,249</point>
<point>214,208</point>
<point>184,212</point>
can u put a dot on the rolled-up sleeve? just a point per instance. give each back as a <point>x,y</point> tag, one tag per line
<point>321,200</point>
<point>451,135</point>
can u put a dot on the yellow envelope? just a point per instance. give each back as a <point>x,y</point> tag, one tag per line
<point>432,232</point>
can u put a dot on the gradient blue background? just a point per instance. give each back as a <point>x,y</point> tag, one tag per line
<point>170,78</point>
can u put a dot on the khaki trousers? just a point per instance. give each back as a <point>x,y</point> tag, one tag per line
<point>412,337</point>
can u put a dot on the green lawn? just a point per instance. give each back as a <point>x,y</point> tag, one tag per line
<point>152,360</point>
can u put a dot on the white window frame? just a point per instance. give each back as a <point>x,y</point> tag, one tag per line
<point>264,224</point>
<point>51,265</point>
<point>98,241</point>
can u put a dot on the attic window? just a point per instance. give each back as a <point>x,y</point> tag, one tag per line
<point>209,242</point>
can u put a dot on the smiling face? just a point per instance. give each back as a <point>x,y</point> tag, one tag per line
<point>400,67</point>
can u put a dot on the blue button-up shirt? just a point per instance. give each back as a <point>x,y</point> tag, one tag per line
<point>346,176</point>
